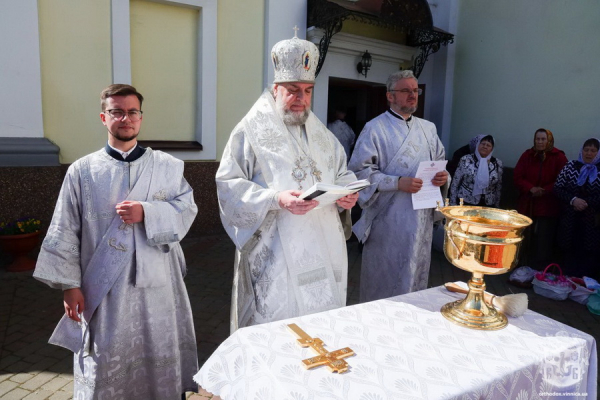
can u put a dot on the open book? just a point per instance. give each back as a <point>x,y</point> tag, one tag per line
<point>326,193</point>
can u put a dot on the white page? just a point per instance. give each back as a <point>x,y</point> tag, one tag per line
<point>429,194</point>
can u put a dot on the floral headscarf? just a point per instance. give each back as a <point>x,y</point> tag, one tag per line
<point>473,143</point>
<point>549,145</point>
<point>589,171</point>
<point>482,177</point>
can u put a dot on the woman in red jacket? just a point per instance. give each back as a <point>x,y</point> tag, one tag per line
<point>534,176</point>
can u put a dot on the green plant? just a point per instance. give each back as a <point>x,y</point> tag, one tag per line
<point>20,226</point>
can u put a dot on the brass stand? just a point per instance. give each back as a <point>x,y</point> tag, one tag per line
<point>473,312</point>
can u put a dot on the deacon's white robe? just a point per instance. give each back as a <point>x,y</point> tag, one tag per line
<point>342,131</point>
<point>137,341</point>
<point>286,265</point>
<point>397,239</point>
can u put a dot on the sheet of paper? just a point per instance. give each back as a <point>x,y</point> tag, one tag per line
<point>429,195</point>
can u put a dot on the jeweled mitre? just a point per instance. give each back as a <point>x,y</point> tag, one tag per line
<point>295,60</point>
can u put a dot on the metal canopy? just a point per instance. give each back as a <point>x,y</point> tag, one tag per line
<point>412,17</point>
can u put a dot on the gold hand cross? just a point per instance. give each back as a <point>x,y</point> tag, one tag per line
<point>334,360</point>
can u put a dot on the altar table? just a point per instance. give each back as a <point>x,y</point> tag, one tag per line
<point>405,349</point>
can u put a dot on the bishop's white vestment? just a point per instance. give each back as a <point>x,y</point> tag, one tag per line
<point>136,339</point>
<point>397,239</point>
<point>286,265</point>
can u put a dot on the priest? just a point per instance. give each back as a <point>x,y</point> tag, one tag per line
<point>113,249</point>
<point>397,239</point>
<point>291,255</point>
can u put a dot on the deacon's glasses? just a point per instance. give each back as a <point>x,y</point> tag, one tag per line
<point>118,114</point>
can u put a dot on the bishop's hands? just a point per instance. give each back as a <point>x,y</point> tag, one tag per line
<point>131,212</point>
<point>74,303</point>
<point>347,202</point>
<point>288,200</point>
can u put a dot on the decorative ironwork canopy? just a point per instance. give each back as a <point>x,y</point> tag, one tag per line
<point>412,17</point>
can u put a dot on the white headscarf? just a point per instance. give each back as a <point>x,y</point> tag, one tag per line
<point>482,178</point>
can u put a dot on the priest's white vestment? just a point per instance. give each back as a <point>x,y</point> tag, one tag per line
<point>397,239</point>
<point>136,339</point>
<point>286,265</point>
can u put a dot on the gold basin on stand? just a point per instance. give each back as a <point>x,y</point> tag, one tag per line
<point>480,240</point>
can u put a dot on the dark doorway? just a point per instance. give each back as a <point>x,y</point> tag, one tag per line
<point>361,100</point>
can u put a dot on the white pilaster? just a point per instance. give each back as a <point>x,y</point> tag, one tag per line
<point>20,79</point>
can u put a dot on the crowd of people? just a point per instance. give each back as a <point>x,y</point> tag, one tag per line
<point>113,243</point>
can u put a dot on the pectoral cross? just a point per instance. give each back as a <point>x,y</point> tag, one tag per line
<point>332,359</point>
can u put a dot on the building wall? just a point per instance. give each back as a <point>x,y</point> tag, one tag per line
<point>75,52</point>
<point>241,62</point>
<point>76,64</point>
<point>523,65</point>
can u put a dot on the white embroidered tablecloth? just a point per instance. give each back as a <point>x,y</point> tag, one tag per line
<point>405,349</point>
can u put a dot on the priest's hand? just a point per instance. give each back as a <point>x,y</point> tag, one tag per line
<point>131,212</point>
<point>289,200</point>
<point>74,303</point>
<point>440,178</point>
<point>410,185</point>
<point>348,202</point>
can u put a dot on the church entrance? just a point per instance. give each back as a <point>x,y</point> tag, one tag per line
<point>360,100</point>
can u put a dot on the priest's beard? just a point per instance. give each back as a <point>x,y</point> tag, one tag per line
<point>290,117</point>
<point>408,110</point>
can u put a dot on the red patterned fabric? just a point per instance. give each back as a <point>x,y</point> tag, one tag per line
<point>530,172</point>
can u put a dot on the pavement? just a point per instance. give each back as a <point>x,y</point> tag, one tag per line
<point>32,369</point>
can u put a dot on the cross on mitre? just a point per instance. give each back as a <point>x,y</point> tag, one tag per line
<point>296,29</point>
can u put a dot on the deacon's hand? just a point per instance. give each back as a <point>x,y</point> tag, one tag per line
<point>410,185</point>
<point>440,178</point>
<point>289,200</point>
<point>131,212</point>
<point>536,191</point>
<point>74,303</point>
<point>348,202</point>
<point>579,204</point>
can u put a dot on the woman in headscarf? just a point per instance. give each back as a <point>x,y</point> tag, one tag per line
<point>478,178</point>
<point>534,176</point>
<point>578,189</point>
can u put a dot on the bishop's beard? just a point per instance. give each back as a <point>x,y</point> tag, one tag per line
<point>290,117</point>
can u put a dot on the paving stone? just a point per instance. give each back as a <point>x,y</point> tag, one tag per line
<point>38,380</point>
<point>56,383</point>
<point>18,366</point>
<point>38,395</point>
<point>7,386</point>
<point>31,348</point>
<point>4,376</point>
<point>16,394</point>
<point>61,396</point>
<point>22,377</point>
<point>8,361</point>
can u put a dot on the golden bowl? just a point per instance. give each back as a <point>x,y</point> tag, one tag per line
<point>481,240</point>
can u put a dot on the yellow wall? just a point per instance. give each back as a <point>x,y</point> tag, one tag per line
<point>76,65</point>
<point>75,55</point>
<point>240,61</point>
<point>164,43</point>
